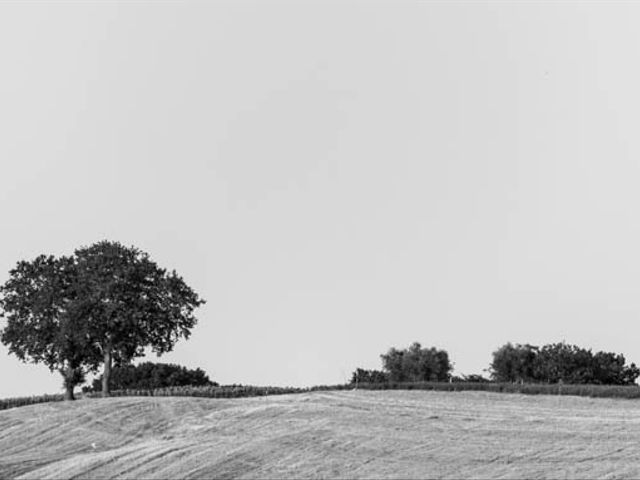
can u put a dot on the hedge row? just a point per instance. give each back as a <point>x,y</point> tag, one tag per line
<point>23,401</point>
<point>602,391</point>
<point>233,391</point>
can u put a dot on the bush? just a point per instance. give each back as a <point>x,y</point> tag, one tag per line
<point>417,364</point>
<point>368,376</point>
<point>149,376</point>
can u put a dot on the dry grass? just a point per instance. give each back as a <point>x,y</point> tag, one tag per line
<point>363,434</point>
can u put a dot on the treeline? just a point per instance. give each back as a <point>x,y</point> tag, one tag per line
<point>551,364</point>
<point>560,362</point>
<point>558,368</point>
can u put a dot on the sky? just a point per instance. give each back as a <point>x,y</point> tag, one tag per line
<point>335,178</point>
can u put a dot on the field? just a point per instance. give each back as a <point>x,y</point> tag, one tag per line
<point>343,434</point>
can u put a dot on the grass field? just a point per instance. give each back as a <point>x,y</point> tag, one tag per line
<point>346,434</point>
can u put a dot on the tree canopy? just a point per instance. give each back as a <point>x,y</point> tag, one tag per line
<point>104,304</point>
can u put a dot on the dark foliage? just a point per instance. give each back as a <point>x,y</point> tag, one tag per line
<point>413,364</point>
<point>368,376</point>
<point>151,376</point>
<point>416,364</point>
<point>560,363</point>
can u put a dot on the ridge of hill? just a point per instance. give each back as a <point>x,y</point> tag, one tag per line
<point>337,434</point>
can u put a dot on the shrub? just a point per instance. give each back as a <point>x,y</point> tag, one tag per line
<point>151,376</point>
<point>416,364</point>
<point>368,376</point>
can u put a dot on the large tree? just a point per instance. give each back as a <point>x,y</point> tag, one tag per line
<point>131,303</point>
<point>43,324</point>
<point>111,303</point>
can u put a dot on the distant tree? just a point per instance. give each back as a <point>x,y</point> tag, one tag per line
<point>393,363</point>
<point>563,362</point>
<point>43,322</point>
<point>416,364</point>
<point>610,368</point>
<point>514,363</point>
<point>149,376</point>
<point>582,366</point>
<point>630,374</point>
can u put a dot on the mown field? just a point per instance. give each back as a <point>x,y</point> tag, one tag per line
<point>336,434</point>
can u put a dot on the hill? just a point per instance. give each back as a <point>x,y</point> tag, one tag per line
<point>347,434</point>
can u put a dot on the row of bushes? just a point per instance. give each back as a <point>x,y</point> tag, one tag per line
<point>24,401</point>
<point>229,391</point>
<point>561,362</point>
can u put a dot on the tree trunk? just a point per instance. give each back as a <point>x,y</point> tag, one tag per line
<point>106,375</point>
<point>68,393</point>
<point>68,382</point>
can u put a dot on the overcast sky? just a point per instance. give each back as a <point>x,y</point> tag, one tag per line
<point>335,178</point>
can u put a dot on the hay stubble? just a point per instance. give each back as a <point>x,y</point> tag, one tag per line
<point>347,434</point>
